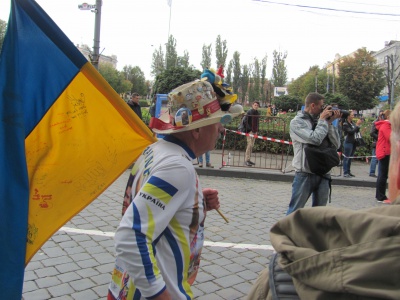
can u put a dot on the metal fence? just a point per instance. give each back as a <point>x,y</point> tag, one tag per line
<point>271,147</point>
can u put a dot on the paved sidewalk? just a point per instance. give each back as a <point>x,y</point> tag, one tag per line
<point>76,263</point>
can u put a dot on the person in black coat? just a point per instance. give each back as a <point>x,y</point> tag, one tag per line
<point>134,104</point>
<point>252,123</point>
<point>349,129</point>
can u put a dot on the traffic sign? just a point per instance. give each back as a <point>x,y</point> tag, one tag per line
<point>85,6</point>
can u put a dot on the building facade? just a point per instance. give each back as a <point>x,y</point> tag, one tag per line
<point>86,51</point>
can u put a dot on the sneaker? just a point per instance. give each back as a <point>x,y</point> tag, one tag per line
<point>372,175</point>
<point>209,165</point>
<point>386,201</point>
<point>347,175</point>
<point>248,164</point>
<point>200,165</point>
<point>351,175</point>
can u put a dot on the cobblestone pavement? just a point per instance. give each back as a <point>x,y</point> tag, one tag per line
<point>77,261</point>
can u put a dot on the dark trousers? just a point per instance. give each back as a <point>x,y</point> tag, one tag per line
<point>383,169</point>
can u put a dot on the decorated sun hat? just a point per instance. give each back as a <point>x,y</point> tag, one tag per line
<point>194,105</point>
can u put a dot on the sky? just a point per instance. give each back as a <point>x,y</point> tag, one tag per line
<point>312,32</point>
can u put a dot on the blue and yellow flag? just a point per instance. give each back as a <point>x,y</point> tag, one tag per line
<point>65,136</point>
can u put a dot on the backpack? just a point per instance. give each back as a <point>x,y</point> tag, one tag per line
<point>242,125</point>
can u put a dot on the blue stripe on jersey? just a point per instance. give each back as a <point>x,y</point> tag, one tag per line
<point>163,185</point>
<point>178,259</point>
<point>142,245</point>
<point>137,295</point>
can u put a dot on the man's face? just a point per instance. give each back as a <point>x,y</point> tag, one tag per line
<point>209,135</point>
<point>135,99</point>
<point>316,108</point>
<point>255,106</point>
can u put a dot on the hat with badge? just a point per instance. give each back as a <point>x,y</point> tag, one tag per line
<point>194,105</point>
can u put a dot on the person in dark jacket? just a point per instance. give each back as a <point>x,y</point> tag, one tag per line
<point>349,129</point>
<point>252,123</point>
<point>134,104</point>
<point>374,135</point>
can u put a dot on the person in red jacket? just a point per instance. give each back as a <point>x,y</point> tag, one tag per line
<point>383,156</point>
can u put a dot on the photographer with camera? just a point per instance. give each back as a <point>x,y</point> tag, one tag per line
<point>349,129</point>
<point>311,127</point>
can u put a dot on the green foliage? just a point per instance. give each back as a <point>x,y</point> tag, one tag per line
<point>183,61</point>
<point>228,76</point>
<point>361,80</point>
<point>254,90</point>
<point>342,101</point>
<point>288,102</point>
<point>244,82</point>
<point>136,76</point>
<point>171,78</point>
<point>221,51</point>
<point>305,84</point>
<point>143,103</point>
<point>171,59</point>
<point>237,72</point>
<point>158,63</point>
<point>115,78</point>
<point>206,57</point>
<point>279,70</point>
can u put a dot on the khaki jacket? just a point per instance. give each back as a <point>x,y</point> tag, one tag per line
<point>334,253</point>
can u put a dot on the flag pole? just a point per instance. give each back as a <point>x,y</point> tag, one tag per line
<point>169,24</point>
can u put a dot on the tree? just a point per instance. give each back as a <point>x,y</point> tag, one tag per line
<point>263,71</point>
<point>221,51</point>
<point>244,82</point>
<point>158,64</point>
<point>361,79</point>
<point>279,70</point>
<point>136,76</point>
<point>115,78</point>
<point>206,57</point>
<point>306,83</point>
<point>171,59</point>
<point>228,77</point>
<point>254,92</point>
<point>392,75</point>
<point>342,101</point>
<point>183,61</point>
<point>237,72</point>
<point>3,29</point>
<point>173,77</point>
<point>288,102</point>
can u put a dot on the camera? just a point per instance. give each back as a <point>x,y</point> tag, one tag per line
<point>345,113</point>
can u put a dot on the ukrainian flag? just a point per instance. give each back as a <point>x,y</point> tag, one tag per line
<point>65,136</point>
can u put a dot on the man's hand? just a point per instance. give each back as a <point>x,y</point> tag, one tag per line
<point>330,114</point>
<point>336,115</point>
<point>326,113</point>
<point>211,198</point>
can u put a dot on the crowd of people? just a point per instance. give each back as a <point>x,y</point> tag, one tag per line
<point>160,238</point>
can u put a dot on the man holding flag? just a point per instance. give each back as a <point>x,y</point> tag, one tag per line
<point>65,136</point>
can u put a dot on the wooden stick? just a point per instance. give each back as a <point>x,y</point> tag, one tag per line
<point>226,220</point>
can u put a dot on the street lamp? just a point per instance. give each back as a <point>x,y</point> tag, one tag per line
<point>96,41</point>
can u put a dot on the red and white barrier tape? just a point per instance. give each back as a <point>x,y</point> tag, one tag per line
<point>261,137</point>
